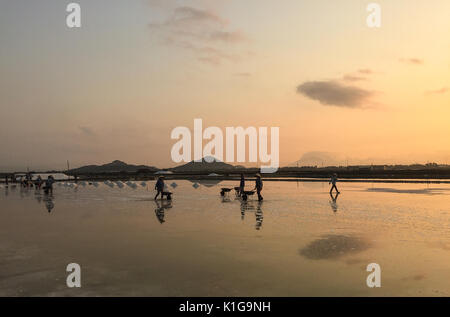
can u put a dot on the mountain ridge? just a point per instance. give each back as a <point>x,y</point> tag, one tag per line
<point>208,163</point>
<point>113,167</point>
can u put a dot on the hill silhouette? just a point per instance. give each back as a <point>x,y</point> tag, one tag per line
<point>113,167</point>
<point>203,166</point>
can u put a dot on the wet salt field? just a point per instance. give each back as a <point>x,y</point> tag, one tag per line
<point>298,242</point>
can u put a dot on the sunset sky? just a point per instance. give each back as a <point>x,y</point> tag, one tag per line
<point>116,87</point>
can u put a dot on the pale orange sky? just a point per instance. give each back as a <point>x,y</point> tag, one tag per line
<point>116,87</point>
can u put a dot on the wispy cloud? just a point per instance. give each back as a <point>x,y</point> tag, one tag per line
<point>333,93</point>
<point>243,74</point>
<point>412,61</point>
<point>203,32</point>
<point>353,78</point>
<point>359,75</point>
<point>228,37</point>
<point>438,91</point>
<point>365,71</point>
<point>86,131</point>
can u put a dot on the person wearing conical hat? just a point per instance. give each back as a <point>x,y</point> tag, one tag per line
<point>159,186</point>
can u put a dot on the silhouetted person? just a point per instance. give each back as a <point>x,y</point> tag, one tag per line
<point>22,182</point>
<point>333,181</point>
<point>259,186</point>
<point>6,181</point>
<point>241,185</point>
<point>38,182</point>
<point>48,188</point>
<point>29,180</point>
<point>159,186</point>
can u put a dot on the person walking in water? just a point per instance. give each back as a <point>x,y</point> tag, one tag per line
<point>333,181</point>
<point>48,188</point>
<point>259,186</point>
<point>159,186</point>
<point>38,182</point>
<point>241,185</point>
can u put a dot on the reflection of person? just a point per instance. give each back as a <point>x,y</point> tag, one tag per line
<point>159,211</point>
<point>333,202</point>
<point>333,181</point>
<point>159,186</point>
<point>259,186</point>
<point>246,206</point>
<point>241,185</point>
<point>49,203</point>
<point>259,216</point>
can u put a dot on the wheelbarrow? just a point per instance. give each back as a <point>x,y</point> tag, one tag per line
<point>247,193</point>
<point>167,194</point>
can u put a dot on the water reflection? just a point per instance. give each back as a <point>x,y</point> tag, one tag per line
<point>259,216</point>
<point>48,199</point>
<point>38,196</point>
<point>422,191</point>
<point>247,206</point>
<point>206,182</point>
<point>334,246</point>
<point>333,201</point>
<point>161,206</point>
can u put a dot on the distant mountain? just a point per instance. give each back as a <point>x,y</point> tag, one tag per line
<point>204,166</point>
<point>113,167</point>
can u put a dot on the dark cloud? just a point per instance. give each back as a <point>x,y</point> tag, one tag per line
<point>412,61</point>
<point>332,93</point>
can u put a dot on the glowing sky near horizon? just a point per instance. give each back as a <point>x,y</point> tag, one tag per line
<point>116,87</point>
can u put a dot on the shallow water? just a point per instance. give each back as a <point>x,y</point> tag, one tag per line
<point>297,242</point>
